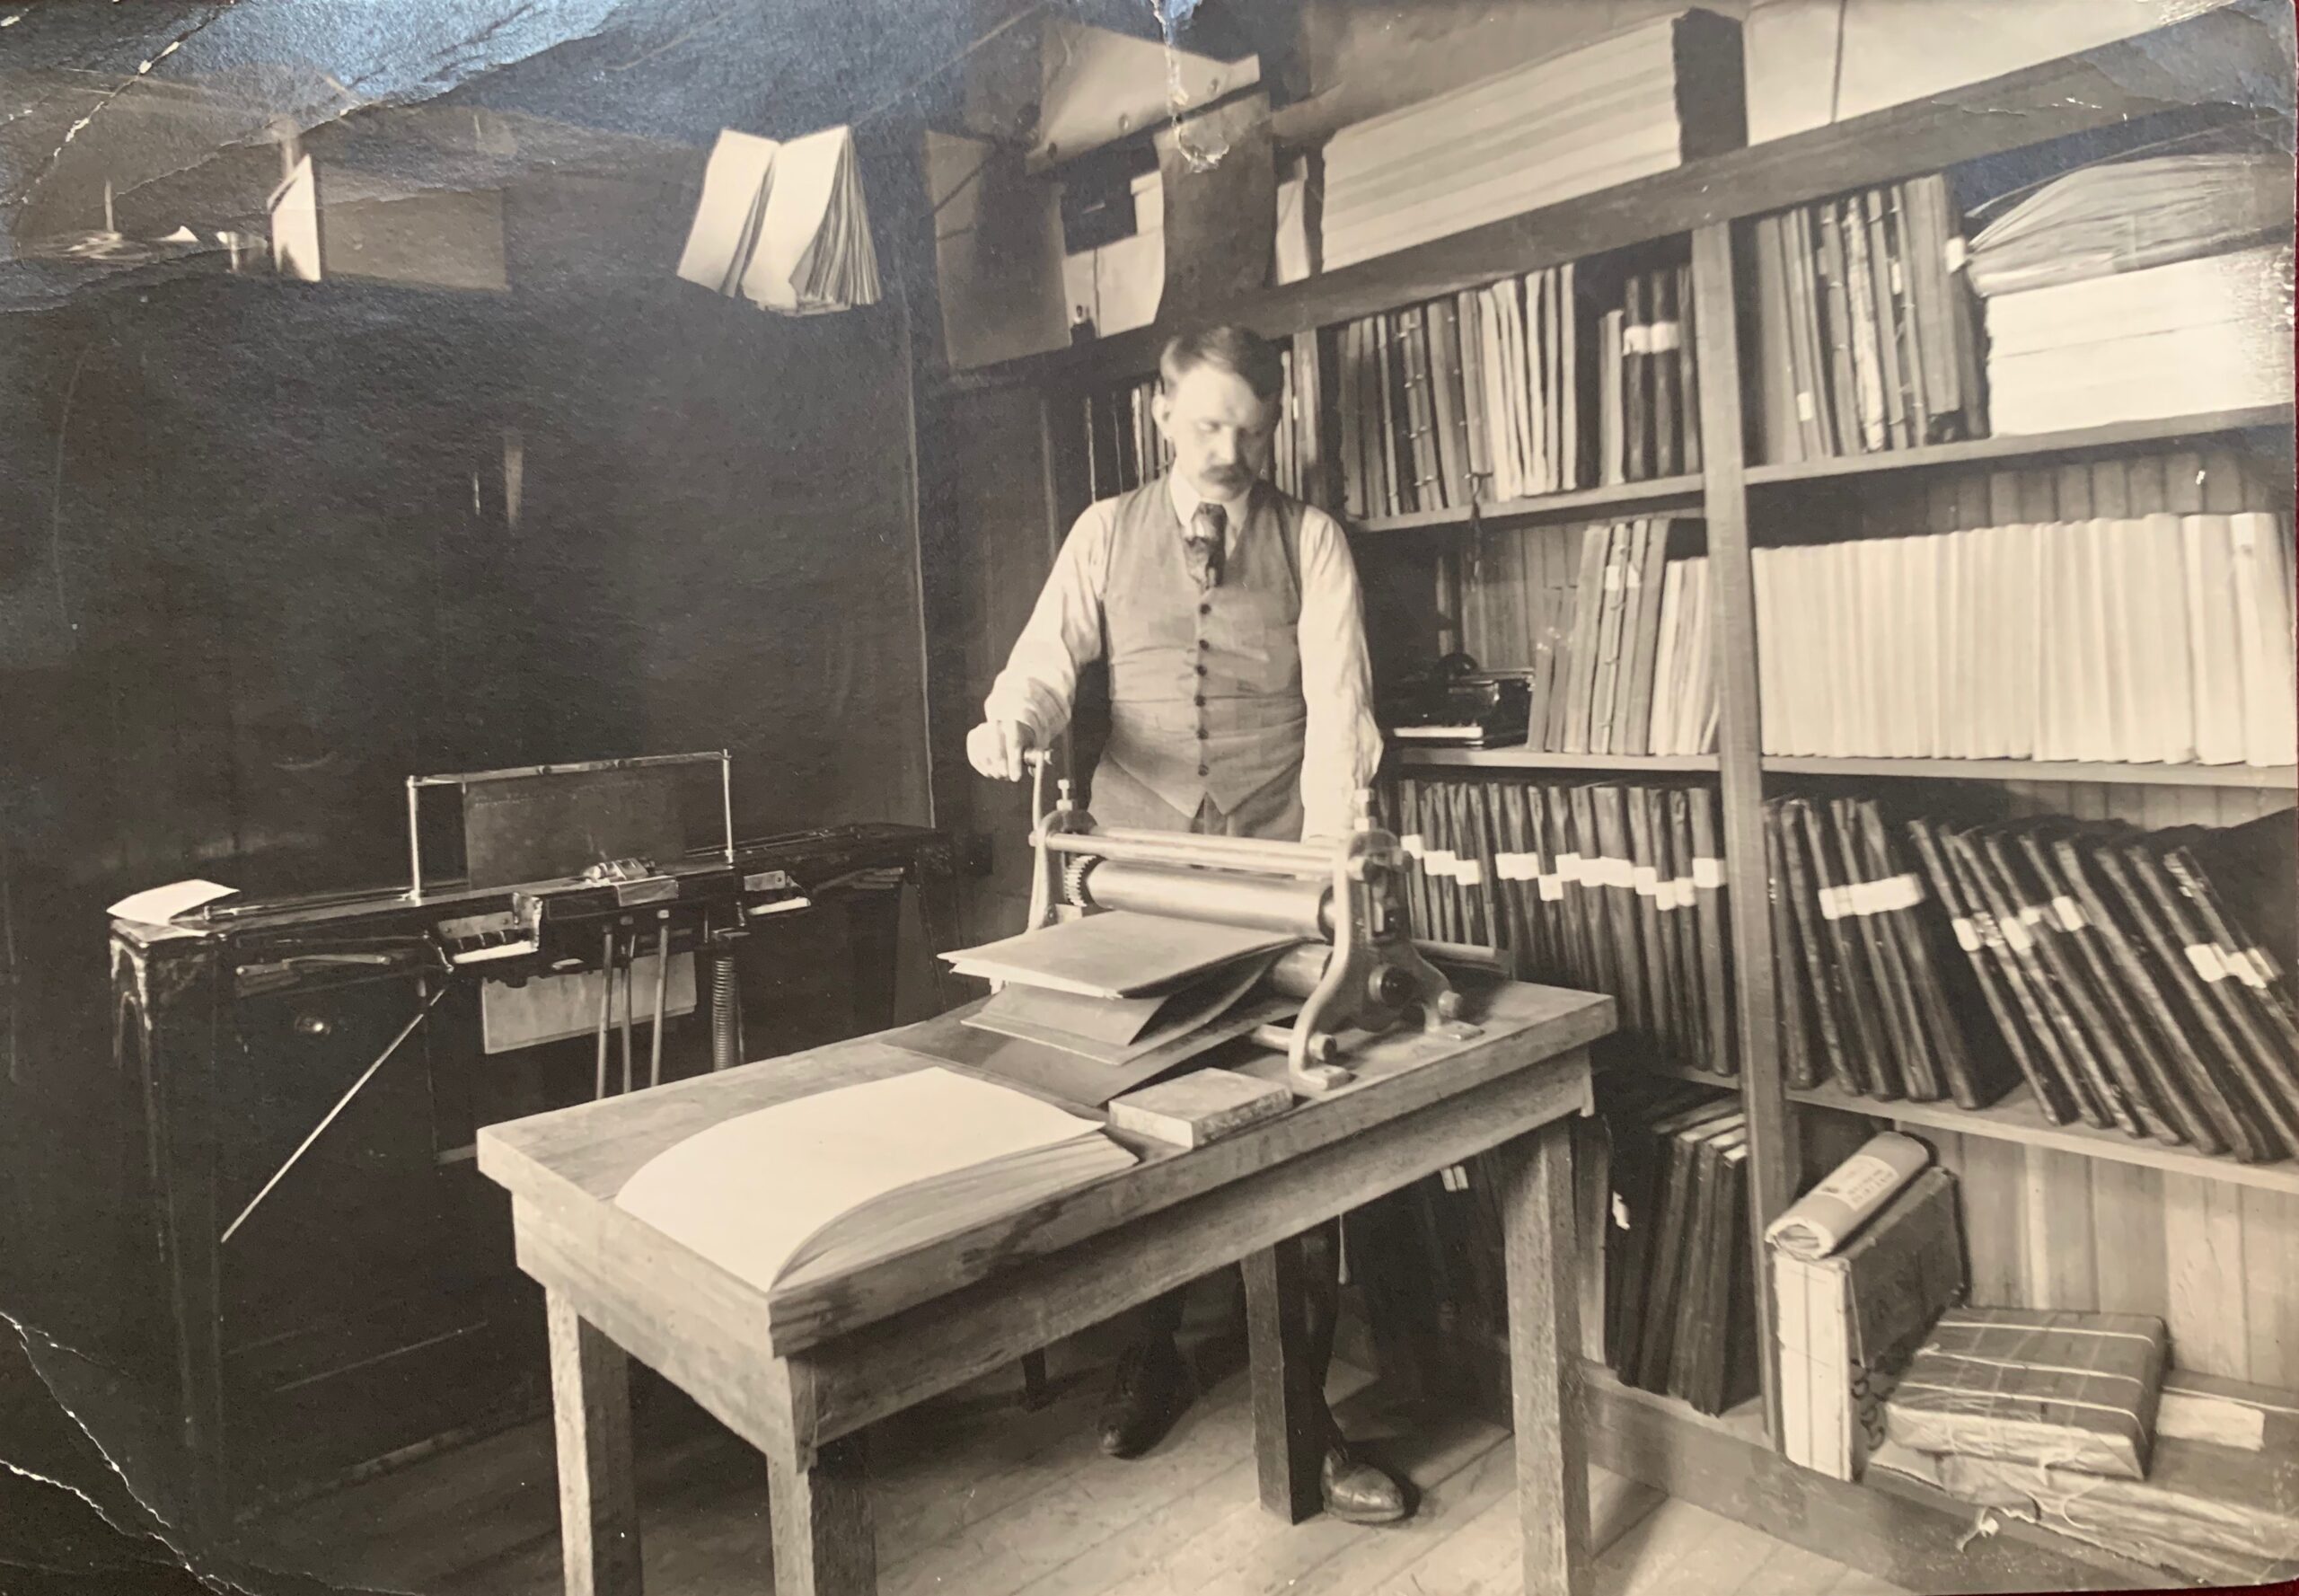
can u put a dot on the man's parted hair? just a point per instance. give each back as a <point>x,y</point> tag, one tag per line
<point>1234,350</point>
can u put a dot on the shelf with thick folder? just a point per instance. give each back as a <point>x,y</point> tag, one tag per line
<point>2016,1118</point>
<point>2029,448</point>
<point>1613,501</point>
<point>1535,759</point>
<point>2276,777</point>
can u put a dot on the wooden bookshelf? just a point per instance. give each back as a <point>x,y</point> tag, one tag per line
<point>2188,1262</point>
<point>1535,759</point>
<point>2016,1118</point>
<point>1612,502</point>
<point>2027,447</point>
<point>2280,777</point>
<point>2217,54</point>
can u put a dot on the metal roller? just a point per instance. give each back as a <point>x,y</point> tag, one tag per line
<point>1264,903</point>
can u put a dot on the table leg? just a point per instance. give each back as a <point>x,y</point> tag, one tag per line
<point>598,1503</point>
<point>1289,1439</point>
<point>825,1544</point>
<point>1544,1361</point>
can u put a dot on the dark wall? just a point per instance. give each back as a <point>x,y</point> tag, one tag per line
<point>256,568</point>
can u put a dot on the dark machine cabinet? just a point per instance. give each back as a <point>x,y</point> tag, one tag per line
<point>370,1308</point>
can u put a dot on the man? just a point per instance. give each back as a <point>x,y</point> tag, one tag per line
<point>1240,705</point>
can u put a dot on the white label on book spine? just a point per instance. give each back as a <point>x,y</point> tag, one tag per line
<point>1806,410</point>
<point>1619,872</point>
<point>1708,874</point>
<point>1440,860</point>
<point>1967,938</point>
<point>1552,889</point>
<point>1646,880</point>
<point>1513,867</point>
<point>1833,903</point>
<point>2206,961</point>
<point>1410,844</point>
<point>1469,872</point>
<point>1568,867</point>
<point>2016,934</point>
<point>2070,913</point>
<point>1612,578</point>
<point>2240,966</point>
<point>1663,338</point>
<point>2262,965</point>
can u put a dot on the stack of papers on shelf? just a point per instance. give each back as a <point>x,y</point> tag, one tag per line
<point>2144,639</point>
<point>825,1183</point>
<point>784,224</point>
<point>2192,337</point>
<point>2130,215</point>
<point>1572,124</point>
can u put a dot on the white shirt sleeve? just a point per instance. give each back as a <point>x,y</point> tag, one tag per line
<point>1342,747</point>
<point>1040,681</point>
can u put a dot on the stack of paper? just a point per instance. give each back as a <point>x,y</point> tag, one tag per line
<point>829,1182</point>
<point>2185,338</point>
<point>1107,1002</point>
<point>2149,639</point>
<point>784,224</point>
<point>1570,125</point>
<point>2129,215</point>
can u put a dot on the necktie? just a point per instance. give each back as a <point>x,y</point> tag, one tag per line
<point>1204,545</point>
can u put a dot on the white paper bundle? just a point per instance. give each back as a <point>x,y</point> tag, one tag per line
<point>784,224</point>
<point>1825,1218</point>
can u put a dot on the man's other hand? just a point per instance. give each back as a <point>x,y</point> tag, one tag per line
<point>995,748</point>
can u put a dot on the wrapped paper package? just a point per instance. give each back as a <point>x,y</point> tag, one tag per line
<point>2049,1387</point>
<point>2220,1503</point>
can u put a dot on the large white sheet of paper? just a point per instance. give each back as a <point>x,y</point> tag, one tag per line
<point>158,906</point>
<point>749,1192</point>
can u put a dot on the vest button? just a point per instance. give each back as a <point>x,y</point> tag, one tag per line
<point>1202,734</point>
<point>1199,700</point>
<point>1203,644</point>
<point>1204,771</point>
<point>1201,669</point>
<point>1205,609</point>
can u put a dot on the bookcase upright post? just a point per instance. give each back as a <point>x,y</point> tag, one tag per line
<point>1774,1161</point>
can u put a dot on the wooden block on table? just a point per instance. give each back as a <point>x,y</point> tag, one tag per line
<point>1199,1106</point>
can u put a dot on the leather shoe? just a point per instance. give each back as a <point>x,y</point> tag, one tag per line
<point>1357,1493</point>
<point>1151,1389</point>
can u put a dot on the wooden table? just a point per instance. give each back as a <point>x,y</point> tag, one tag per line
<point>800,1372</point>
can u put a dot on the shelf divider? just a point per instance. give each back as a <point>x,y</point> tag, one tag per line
<point>2016,1118</point>
<point>2278,777</point>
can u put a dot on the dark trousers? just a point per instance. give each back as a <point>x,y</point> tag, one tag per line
<point>1320,1300</point>
<point>1273,813</point>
